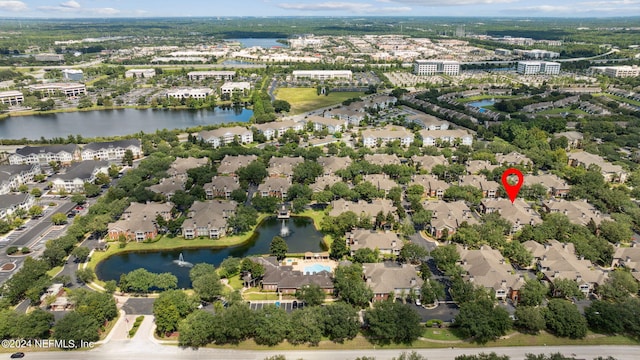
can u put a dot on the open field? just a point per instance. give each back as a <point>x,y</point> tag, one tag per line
<point>484,97</point>
<point>305,99</point>
<point>563,110</point>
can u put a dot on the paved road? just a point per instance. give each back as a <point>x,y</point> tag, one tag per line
<point>142,346</point>
<point>44,224</point>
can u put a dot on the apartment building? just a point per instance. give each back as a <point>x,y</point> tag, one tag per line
<point>387,243</point>
<point>139,221</point>
<point>43,155</point>
<point>331,125</point>
<point>275,187</point>
<point>10,203</point>
<point>221,187</point>
<point>208,219</point>
<point>448,217</point>
<point>371,137</point>
<point>283,166</point>
<point>226,135</point>
<point>519,213</point>
<point>276,129</point>
<point>453,137</point>
<point>111,150</point>
<point>73,179</point>
<point>230,164</point>
<point>12,176</point>
<point>611,172</point>
<point>390,279</point>
<point>371,209</point>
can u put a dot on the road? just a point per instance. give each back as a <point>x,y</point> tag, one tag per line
<point>142,347</point>
<point>44,224</point>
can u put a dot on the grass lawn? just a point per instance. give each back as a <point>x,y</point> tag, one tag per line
<point>306,99</point>
<point>443,334</point>
<point>544,338</point>
<point>261,296</point>
<point>622,99</point>
<point>235,282</point>
<point>53,272</point>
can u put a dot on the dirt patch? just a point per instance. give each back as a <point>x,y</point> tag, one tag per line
<point>7,267</point>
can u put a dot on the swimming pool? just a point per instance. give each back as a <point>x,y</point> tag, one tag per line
<point>316,269</point>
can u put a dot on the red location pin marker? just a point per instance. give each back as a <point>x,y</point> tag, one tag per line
<point>512,190</point>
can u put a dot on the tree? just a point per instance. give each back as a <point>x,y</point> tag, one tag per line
<point>615,231</point>
<point>306,172</point>
<point>91,190</point>
<point>85,275</point>
<point>532,293</point>
<point>208,287</point>
<point>102,179</point>
<point>35,325</point>
<point>78,199</point>
<point>566,288</point>
<point>230,267</point>
<point>272,325</point>
<point>77,327</point>
<point>619,286</point>
<point>110,286</point>
<point>58,219</point>
<point>366,255</point>
<point>35,210</point>
<point>483,356</point>
<point>23,188</point>
<point>169,308</point>
<point>413,253</point>
<point>338,249</point>
<point>482,321</point>
<point>340,322</point>
<point>278,248</point>
<point>390,321</point>
<point>432,291</point>
<point>128,157</point>
<point>253,173</point>
<point>100,306</point>
<point>36,192</point>
<point>350,286</point>
<point>305,326</point>
<point>563,319</point>
<point>529,319</point>
<point>281,106</point>
<point>201,269</point>
<point>311,294</point>
<point>81,253</point>
<point>197,329</point>
<point>445,257</point>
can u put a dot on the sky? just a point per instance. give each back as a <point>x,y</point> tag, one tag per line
<point>199,8</point>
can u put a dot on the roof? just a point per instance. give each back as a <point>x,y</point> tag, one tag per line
<point>549,181</point>
<point>10,200</point>
<point>513,158</point>
<point>323,181</point>
<point>487,267</point>
<point>169,185</point>
<point>332,164</point>
<point>518,212</point>
<point>579,212</point>
<point>230,164</point>
<point>380,181</point>
<point>427,162</point>
<point>449,215</point>
<point>479,182</point>
<point>388,132</point>
<point>587,159</point>
<point>371,239</point>
<point>283,165</point>
<point>224,131</point>
<point>112,144</point>
<point>429,182</point>
<point>440,134</point>
<point>559,261</point>
<point>210,214</point>
<point>382,159</point>
<point>372,209</point>
<point>141,217</point>
<point>275,184</point>
<point>387,277</point>
<point>219,183</point>
<point>325,121</point>
<point>475,166</point>
<point>54,149</point>
<point>180,165</point>
<point>82,170</point>
<point>9,171</point>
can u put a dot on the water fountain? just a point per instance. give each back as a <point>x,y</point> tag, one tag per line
<point>284,230</point>
<point>181,262</point>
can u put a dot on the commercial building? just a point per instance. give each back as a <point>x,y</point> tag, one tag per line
<point>322,74</point>
<point>216,75</point>
<point>537,54</point>
<point>49,57</point>
<point>67,89</point>
<point>538,68</point>
<point>140,73</point>
<point>434,67</point>
<point>11,97</point>
<point>72,74</point>
<point>622,71</point>
<point>232,87</point>
<point>194,93</point>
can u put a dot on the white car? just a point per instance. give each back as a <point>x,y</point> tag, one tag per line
<point>418,303</point>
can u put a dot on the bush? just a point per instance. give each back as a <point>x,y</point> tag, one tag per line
<point>12,250</point>
<point>25,250</point>
<point>434,323</point>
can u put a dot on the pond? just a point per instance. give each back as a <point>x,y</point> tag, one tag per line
<point>482,103</point>
<point>302,237</point>
<point>115,122</point>
<point>260,42</point>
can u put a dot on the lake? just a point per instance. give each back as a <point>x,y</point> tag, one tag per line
<point>114,122</point>
<point>303,237</point>
<point>263,43</point>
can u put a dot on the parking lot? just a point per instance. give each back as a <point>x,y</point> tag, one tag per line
<point>288,306</point>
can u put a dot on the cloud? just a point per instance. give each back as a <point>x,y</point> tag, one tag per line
<point>74,7</point>
<point>588,7</point>
<point>13,6</point>
<point>452,2</point>
<point>70,4</point>
<point>343,6</point>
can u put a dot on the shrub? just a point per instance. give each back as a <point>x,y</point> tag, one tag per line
<point>12,250</point>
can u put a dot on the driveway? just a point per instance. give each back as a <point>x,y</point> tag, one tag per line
<point>139,306</point>
<point>444,312</point>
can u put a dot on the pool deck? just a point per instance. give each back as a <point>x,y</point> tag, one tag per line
<point>300,264</point>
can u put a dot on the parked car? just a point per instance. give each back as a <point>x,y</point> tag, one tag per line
<point>17,355</point>
<point>418,302</point>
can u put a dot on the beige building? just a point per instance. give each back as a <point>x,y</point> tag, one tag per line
<point>388,243</point>
<point>448,216</point>
<point>390,278</point>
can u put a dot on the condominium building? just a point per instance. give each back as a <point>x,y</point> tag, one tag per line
<point>194,93</point>
<point>112,150</point>
<point>433,67</point>
<point>77,174</point>
<point>12,176</point>
<point>11,97</point>
<point>68,89</point>
<point>538,67</point>
<point>216,75</point>
<point>371,137</point>
<point>322,74</point>
<point>140,73</point>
